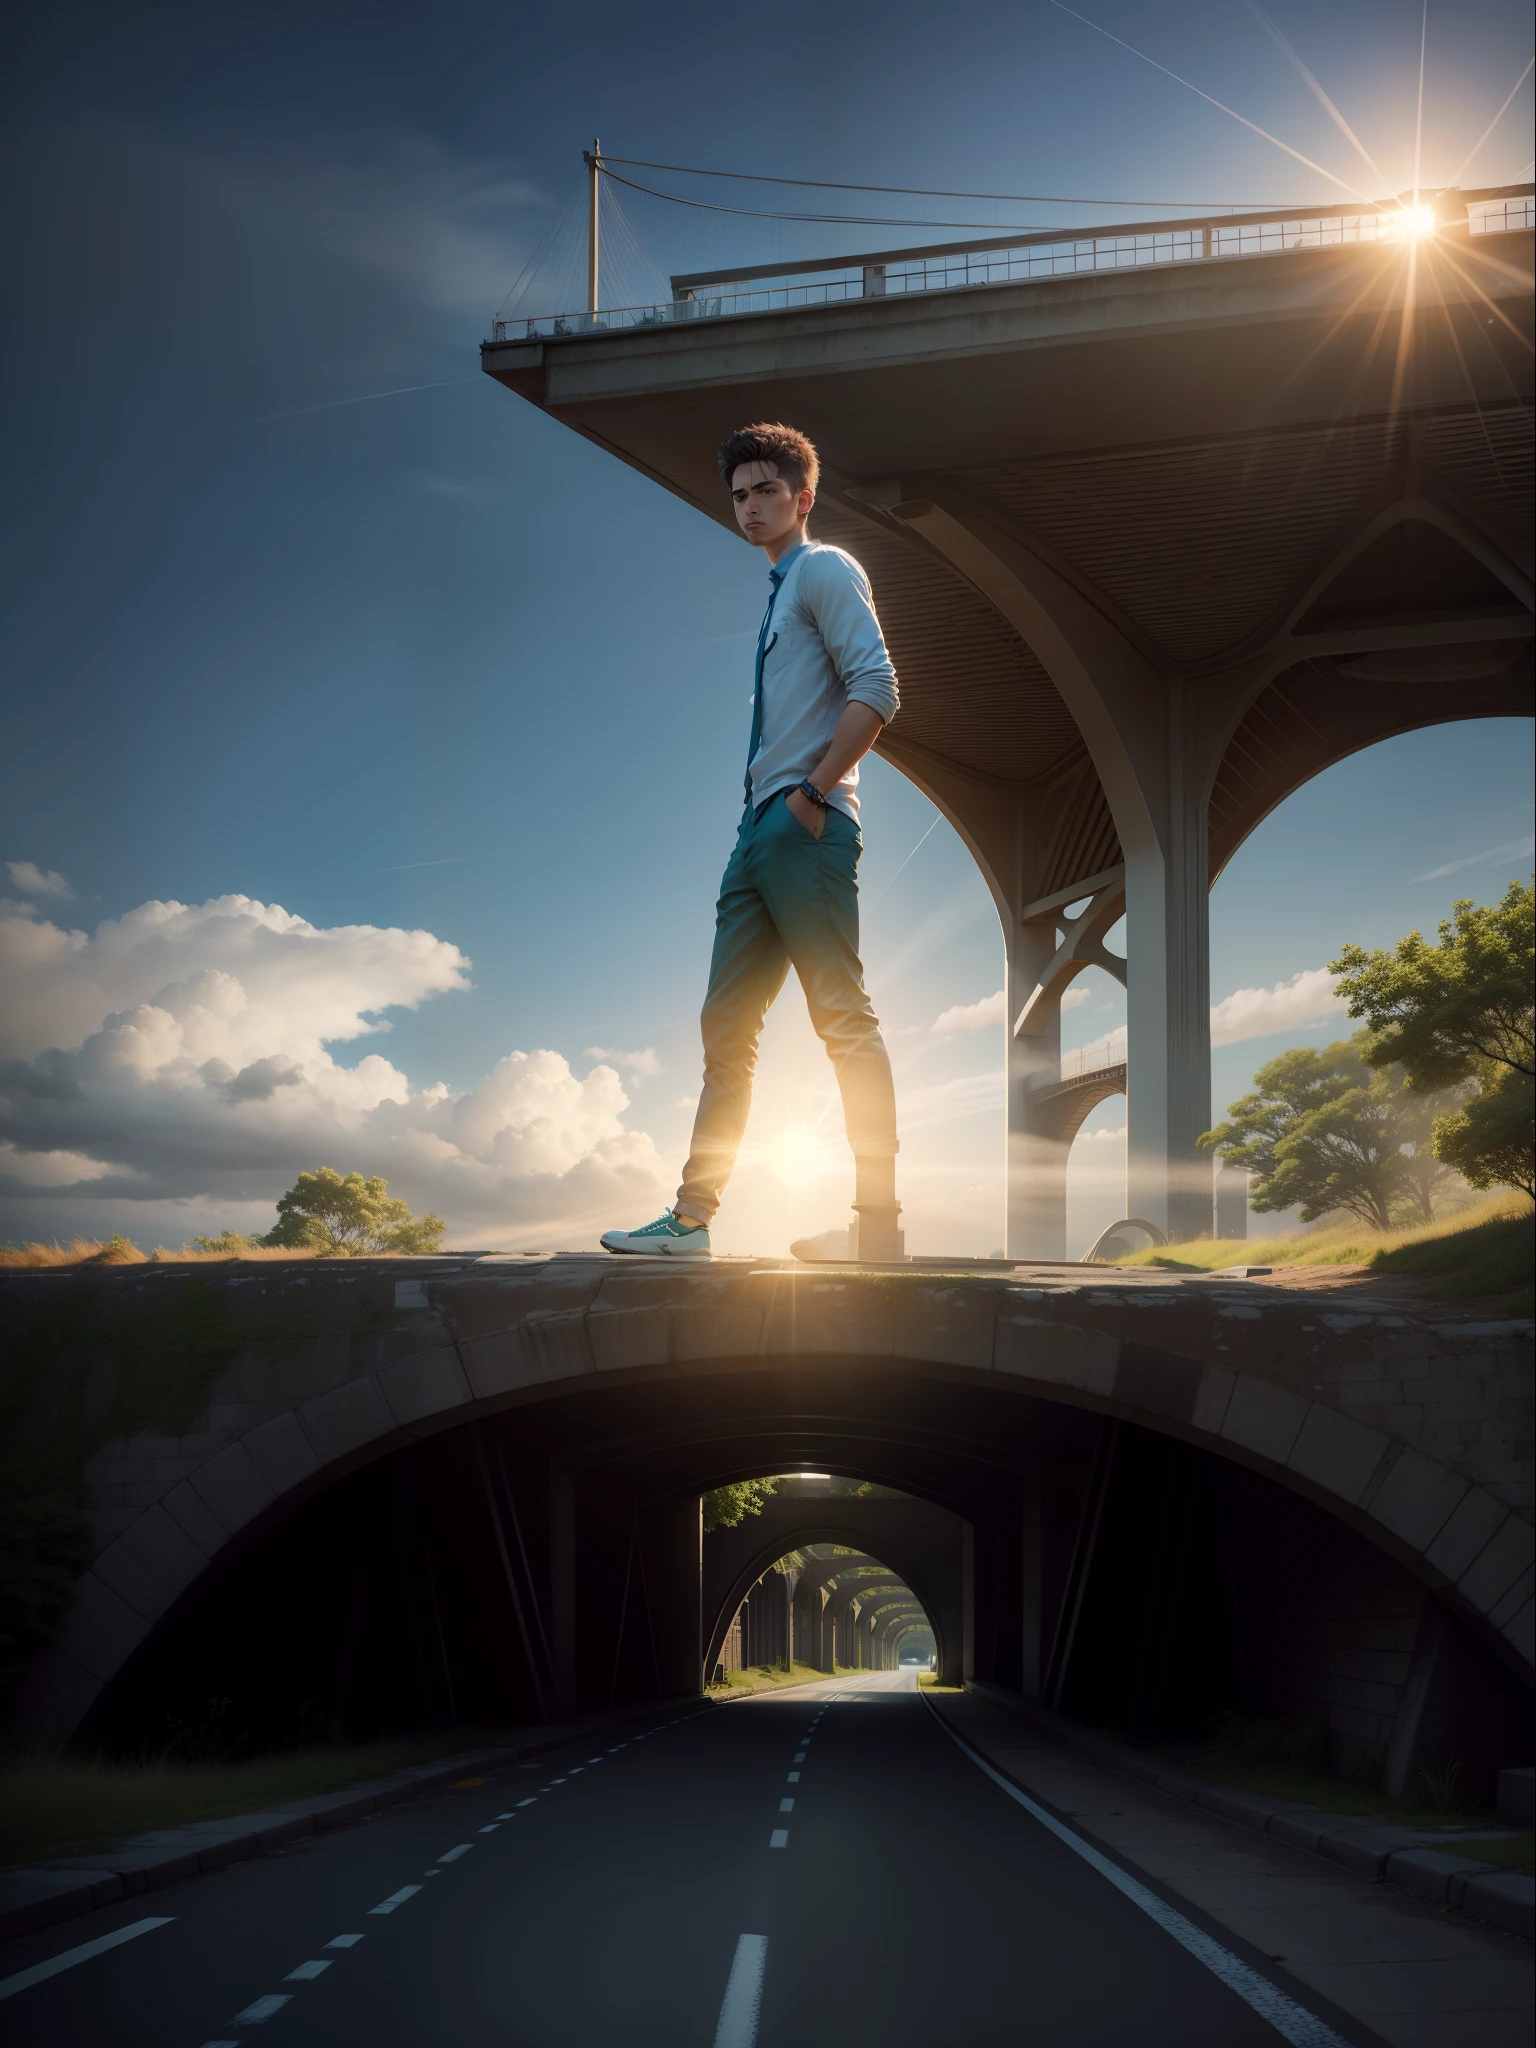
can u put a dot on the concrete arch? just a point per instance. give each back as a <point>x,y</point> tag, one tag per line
<point>724,1601</point>
<point>1156,1351</point>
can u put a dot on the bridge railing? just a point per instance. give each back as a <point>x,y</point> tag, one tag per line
<point>1095,1058</point>
<point>1021,258</point>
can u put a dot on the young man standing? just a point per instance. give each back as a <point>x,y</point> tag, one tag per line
<point>824,688</point>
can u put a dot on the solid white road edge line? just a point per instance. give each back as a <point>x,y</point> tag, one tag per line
<point>39,1972</point>
<point>743,1994</point>
<point>1292,2022</point>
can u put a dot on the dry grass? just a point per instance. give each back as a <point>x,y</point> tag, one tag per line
<point>118,1251</point>
<point>1344,1244</point>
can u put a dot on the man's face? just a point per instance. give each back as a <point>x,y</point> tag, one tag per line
<point>767,506</point>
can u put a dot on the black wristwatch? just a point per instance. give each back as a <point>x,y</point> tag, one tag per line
<point>809,789</point>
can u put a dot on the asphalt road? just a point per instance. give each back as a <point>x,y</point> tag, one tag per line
<point>821,1868</point>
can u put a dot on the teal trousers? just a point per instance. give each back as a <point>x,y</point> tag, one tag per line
<point>786,900</point>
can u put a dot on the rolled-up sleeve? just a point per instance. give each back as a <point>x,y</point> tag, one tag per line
<point>841,602</point>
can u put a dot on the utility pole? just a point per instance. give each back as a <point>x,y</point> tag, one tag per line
<point>592,159</point>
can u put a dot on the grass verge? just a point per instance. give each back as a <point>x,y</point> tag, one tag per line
<point>121,1251</point>
<point>767,1678</point>
<point>930,1681</point>
<point>1485,1249</point>
<point>1504,1852</point>
<point>56,1807</point>
<point>1312,1786</point>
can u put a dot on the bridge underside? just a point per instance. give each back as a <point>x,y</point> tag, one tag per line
<point>1149,551</point>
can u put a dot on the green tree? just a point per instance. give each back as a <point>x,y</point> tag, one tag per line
<point>346,1216</point>
<point>1461,1012</point>
<point>1324,1131</point>
<point>726,1507</point>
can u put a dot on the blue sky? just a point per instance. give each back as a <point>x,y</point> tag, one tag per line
<point>428,663</point>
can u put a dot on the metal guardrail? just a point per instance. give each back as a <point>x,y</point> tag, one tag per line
<point>1100,1057</point>
<point>1019,259</point>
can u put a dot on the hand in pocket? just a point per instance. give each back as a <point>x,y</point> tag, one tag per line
<point>811,816</point>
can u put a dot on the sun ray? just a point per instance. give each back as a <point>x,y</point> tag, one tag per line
<point>1418,130</point>
<point>1498,117</point>
<point>1343,183</point>
<point>1495,311</point>
<point>1316,90</point>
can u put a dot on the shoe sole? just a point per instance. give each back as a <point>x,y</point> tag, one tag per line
<point>635,1251</point>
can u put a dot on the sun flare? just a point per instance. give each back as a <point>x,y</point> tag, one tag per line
<point>1414,223</point>
<point>800,1153</point>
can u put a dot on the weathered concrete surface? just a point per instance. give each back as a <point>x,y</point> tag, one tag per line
<point>1415,1434</point>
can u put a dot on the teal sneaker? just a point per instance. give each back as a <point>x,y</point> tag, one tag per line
<point>668,1236</point>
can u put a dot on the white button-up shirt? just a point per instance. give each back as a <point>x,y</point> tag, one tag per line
<point>825,651</point>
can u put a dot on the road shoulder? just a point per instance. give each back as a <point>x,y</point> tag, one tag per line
<point>1417,1975</point>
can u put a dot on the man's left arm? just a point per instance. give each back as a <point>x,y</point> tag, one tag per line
<point>845,617</point>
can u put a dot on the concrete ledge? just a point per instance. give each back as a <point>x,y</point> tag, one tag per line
<point>1431,1874</point>
<point>1401,1856</point>
<point>41,1896</point>
<point>1504,1898</point>
<point>32,1899</point>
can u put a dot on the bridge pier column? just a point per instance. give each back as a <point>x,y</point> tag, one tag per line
<point>1035,1171</point>
<point>562,1591</point>
<point>671,1537</point>
<point>1168,1021</point>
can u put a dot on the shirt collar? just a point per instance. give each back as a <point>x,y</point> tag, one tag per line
<point>781,567</point>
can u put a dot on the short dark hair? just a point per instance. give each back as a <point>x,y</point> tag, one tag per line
<point>791,451</point>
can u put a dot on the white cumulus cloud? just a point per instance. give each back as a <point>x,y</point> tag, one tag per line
<point>976,1016</point>
<point>642,1064</point>
<point>183,1054</point>
<point>31,880</point>
<point>1246,1013</point>
<point>1255,1012</point>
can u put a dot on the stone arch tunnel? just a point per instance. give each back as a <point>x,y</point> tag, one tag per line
<point>468,1492</point>
<point>889,1545</point>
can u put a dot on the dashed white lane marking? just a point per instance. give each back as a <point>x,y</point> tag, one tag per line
<point>9,1986</point>
<point>453,1855</point>
<point>261,2009</point>
<point>345,1941</point>
<point>594,1759</point>
<point>779,1839</point>
<point>406,1891</point>
<point>799,1756</point>
<point>786,1806</point>
<point>1292,2022</point>
<point>793,1778</point>
<point>490,1827</point>
<point>306,1973</point>
<point>529,1802</point>
<point>507,1816</point>
<point>743,1999</point>
<point>576,1771</point>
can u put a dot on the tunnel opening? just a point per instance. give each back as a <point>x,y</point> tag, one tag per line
<point>549,1560</point>
<point>822,1610</point>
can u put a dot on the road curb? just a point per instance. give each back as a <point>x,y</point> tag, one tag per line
<point>1406,1858</point>
<point>39,1896</point>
